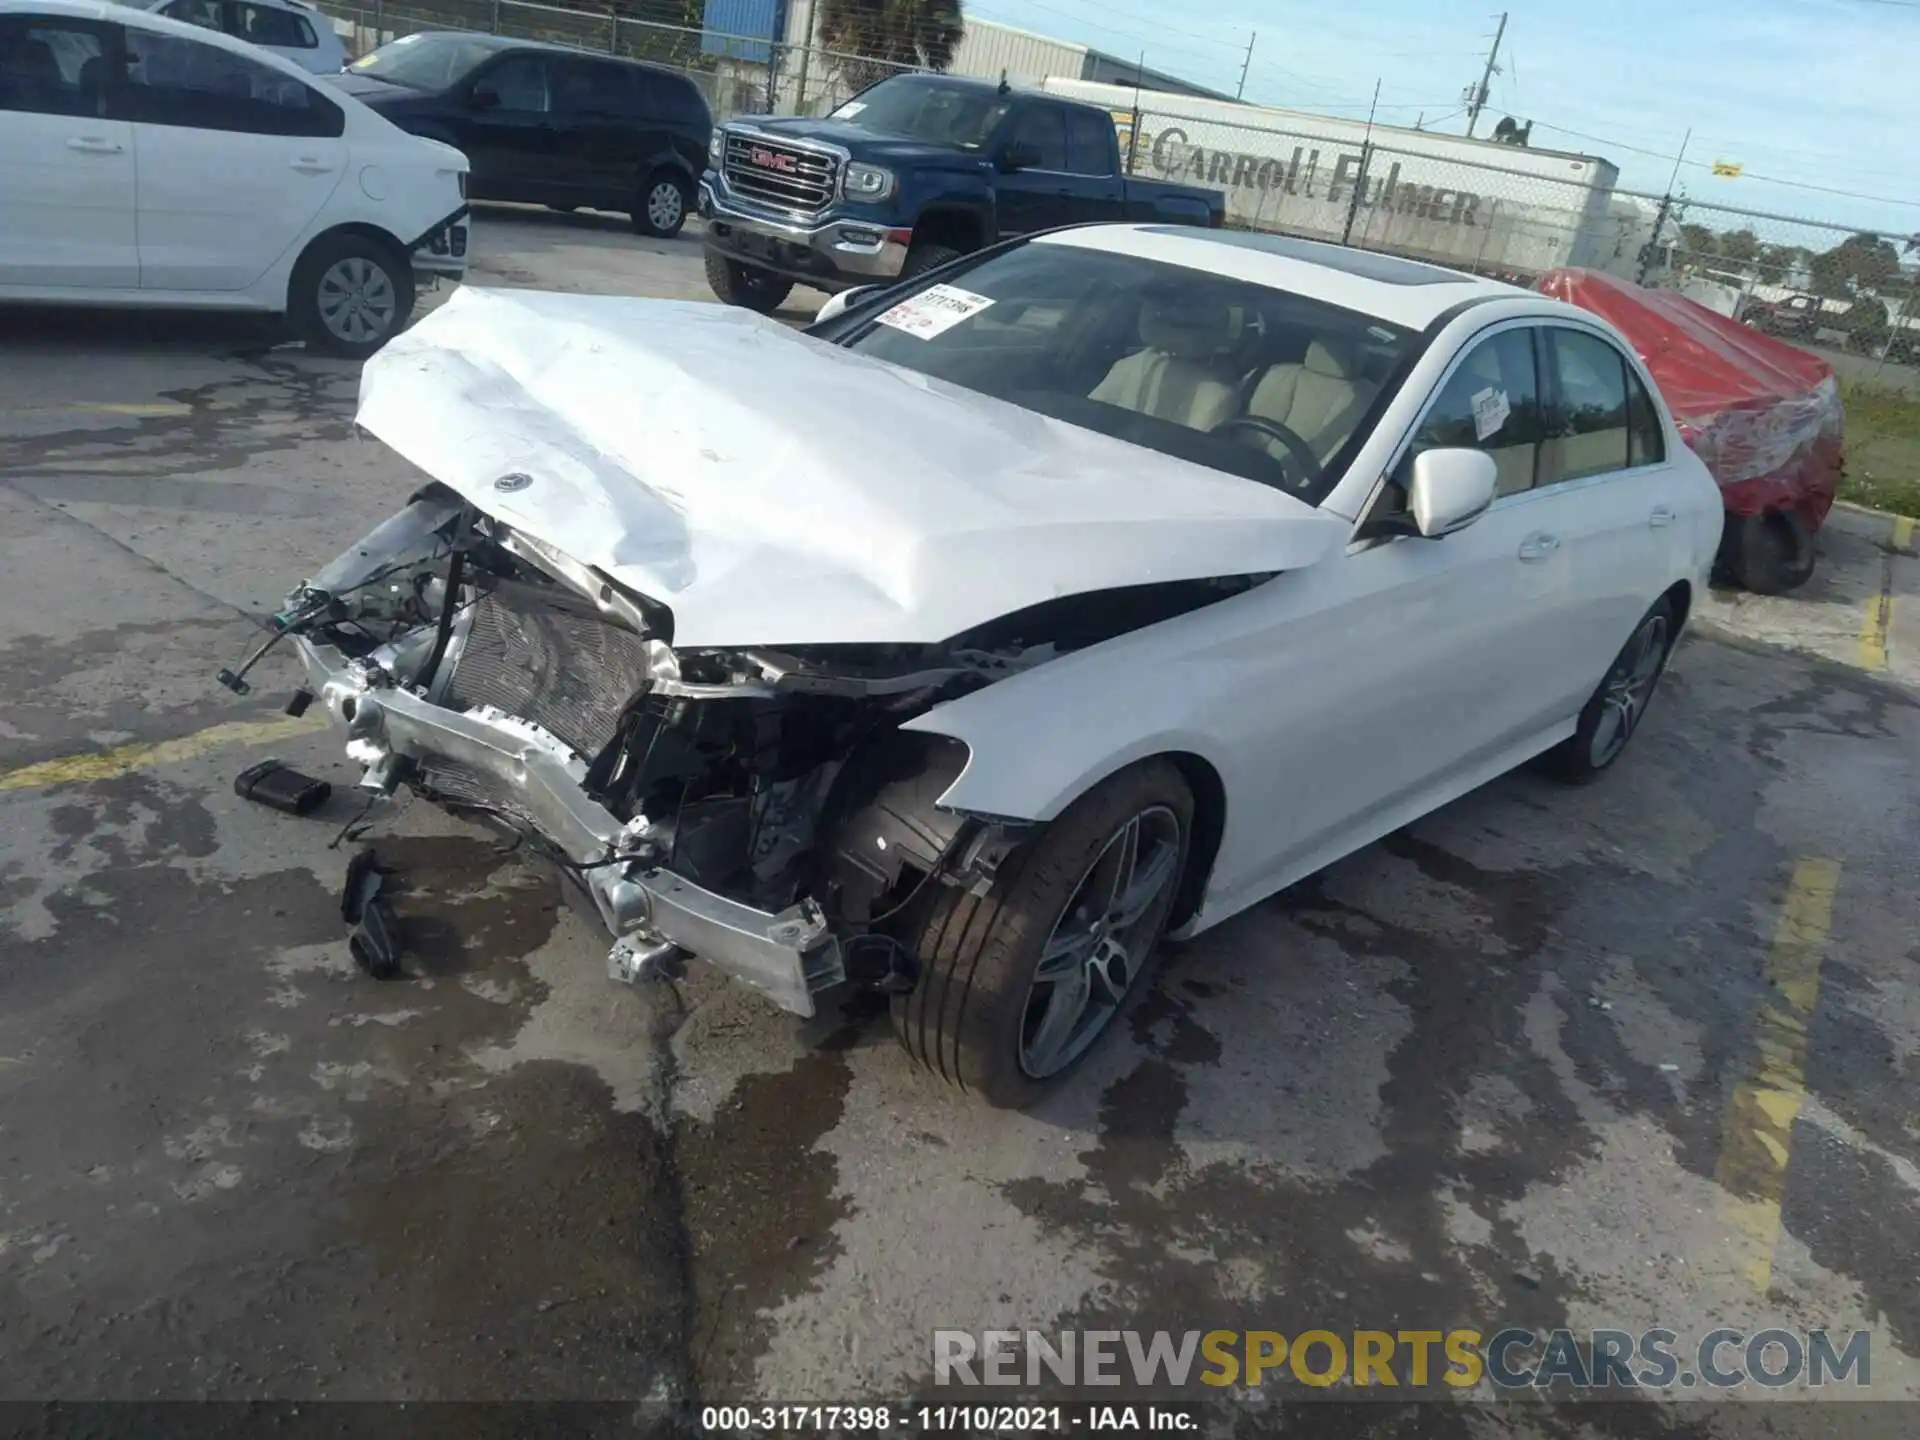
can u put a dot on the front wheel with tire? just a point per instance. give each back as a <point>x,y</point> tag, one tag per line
<point>350,294</point>
<point>1017,986</point>
<point>1613,713</point>
<point>925,255</point>
<point>746,285</point>
<point>660,209</point>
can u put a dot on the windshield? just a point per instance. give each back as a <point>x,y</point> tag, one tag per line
<point>1258,382</point>
<point>960,116</point>
<point>424,62</point>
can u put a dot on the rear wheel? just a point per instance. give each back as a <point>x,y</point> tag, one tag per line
<point>1769,554</point>
<point>350,294</point>
<point>1615,710</point>
<point>660,209</point>
<point>746,285</point>
<point>1017,986</point>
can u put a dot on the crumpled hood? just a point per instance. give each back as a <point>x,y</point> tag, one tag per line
<point>773,489</point>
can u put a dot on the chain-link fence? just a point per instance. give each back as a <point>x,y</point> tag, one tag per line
<point>1507,211</point>
<point>1807,280</point>
<point>738,73</point>
<point>1517,213</point>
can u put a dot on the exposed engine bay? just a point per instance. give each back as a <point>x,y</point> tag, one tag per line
<point>759,808</point>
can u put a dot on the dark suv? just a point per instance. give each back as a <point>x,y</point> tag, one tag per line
<point>545,124</point>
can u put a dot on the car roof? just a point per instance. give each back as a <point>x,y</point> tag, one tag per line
<point>550,47</point>
<point>1403,292</point>
<point>113,14</point>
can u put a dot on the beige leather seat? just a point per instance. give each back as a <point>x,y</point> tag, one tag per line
<point>1185,374</point>
<point>1321,399</point>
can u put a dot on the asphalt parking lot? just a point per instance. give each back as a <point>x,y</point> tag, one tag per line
<point>1643,1054</point>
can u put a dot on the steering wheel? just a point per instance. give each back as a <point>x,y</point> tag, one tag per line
<point>1297,449</point>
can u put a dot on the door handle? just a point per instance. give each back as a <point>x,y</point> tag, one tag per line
<point>1661,517</point>
<point>94,145</point>
<point>1539,546</point>
<point>308,165</point>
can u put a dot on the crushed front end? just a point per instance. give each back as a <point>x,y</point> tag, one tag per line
<point>759,810</point>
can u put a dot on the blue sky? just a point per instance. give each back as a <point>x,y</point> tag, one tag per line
<point>1821,92</point>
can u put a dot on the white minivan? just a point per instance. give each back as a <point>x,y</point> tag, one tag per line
<point>289,29</point>
<point>147,162</point>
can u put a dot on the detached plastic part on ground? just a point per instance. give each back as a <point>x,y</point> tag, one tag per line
<point>1763,414</point>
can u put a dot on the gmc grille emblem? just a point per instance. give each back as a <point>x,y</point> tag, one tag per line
<point>773,160</point>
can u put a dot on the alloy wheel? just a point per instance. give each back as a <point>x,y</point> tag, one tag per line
<point>665,205</point>
<point>1100,942</point>
<point>1627,689</point>
<point>357,300</point>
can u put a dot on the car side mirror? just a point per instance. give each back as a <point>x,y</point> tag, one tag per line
<point>837,305</point>
<point>1019,157</point>
<point>483,97</point>
<point>1450,489</point>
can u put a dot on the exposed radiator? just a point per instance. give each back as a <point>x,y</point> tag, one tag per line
<point>547,657</point>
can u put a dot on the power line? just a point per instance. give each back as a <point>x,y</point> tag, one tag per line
<point>1749,174</point>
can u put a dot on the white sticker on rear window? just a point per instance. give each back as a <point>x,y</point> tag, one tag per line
<point>848,110</point>
<point>1490,411</point>
<point>934,310</point>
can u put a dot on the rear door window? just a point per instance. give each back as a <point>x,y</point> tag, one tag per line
<point>593,87</point>
<point>1041,130</point>
<point>1090,143</point>
<point>520,82</point>
<point>172,80</point>
<point>52,66</point>
<point>1587,424</point>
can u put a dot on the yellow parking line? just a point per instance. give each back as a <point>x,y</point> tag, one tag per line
<point>1870,649</point>
<point>117,407</point>
<point>1757,1141</point>
<point>126,758</point>
<point>1903,532</point>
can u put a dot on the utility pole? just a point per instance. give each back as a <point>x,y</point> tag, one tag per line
<point>806,54</point>
<point>1240,90</point>
<point>1477,97</point>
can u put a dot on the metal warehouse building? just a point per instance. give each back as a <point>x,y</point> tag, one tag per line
<point>747,31</point>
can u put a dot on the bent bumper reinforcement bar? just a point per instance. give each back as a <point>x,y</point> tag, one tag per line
<point>785,956</point>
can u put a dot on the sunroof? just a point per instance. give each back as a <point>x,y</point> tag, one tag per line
<point>1368,265</point>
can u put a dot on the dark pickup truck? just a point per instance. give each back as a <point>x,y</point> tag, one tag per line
<point>909,174</point>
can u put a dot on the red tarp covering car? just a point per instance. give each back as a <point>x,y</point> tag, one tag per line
<point>1764,415</point>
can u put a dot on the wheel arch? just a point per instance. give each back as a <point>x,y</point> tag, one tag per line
<point>1679,596</point>
<point>973,792</point>
<point>652,164</point>
<point>960,226</point>
<point>362,228</point>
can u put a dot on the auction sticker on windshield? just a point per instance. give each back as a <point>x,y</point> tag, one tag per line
<point>934,310</point>
<point>849,110</point>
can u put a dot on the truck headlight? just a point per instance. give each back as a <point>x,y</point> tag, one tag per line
<point>866,182</point>
<point>716,147</point>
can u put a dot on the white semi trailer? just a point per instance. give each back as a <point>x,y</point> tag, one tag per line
<point>1492,207</point>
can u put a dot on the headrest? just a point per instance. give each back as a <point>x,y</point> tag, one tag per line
<point>1189,332</point>
<point>1332,358</point>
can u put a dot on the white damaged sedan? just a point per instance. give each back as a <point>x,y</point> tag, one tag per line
<point>1081,592</point>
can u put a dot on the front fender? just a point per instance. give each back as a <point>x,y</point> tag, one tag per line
<point>1037,742</point>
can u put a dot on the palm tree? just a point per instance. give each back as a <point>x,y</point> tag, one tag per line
<point>890,34</point>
